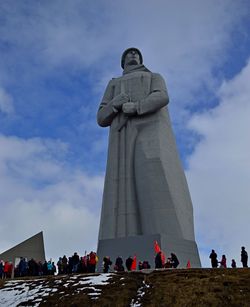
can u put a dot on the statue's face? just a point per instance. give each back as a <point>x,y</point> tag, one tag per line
<point>132,58</point>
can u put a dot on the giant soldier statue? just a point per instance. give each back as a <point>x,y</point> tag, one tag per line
<point>146,197</point>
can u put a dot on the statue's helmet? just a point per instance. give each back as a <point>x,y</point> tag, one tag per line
<point>125,53</point>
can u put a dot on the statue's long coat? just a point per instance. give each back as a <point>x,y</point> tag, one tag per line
<point>145,189</point>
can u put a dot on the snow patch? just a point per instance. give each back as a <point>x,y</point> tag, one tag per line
<point>34,291</point>
<point>140,293</point>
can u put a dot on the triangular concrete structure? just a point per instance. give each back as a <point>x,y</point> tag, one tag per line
<point>30,248</point>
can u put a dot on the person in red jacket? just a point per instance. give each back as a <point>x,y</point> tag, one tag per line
<point>92,262</point>
<point>7,269</point>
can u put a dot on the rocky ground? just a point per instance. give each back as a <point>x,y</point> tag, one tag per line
<point>179,287</point>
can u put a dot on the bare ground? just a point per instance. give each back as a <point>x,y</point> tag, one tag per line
<point>179,287</point>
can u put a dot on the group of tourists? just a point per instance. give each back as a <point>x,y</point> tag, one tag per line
<point>171,262</point>
<point>77,264</point>
<point>130,263</point>
<point>88,263</point>
<point>223,263</point>
<point>85,264</point>
<point>27,268</point>
<point>73,264</point>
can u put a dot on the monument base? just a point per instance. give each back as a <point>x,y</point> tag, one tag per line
<point>143,248</point>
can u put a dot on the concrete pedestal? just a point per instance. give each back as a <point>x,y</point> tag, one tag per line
<point>143,248</point>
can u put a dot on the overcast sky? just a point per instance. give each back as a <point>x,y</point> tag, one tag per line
<point>56,58</point>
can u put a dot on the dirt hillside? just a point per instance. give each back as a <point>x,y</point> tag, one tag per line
<point>179,287</point>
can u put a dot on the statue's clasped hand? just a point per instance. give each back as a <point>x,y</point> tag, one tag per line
<point>120,100</point>
<point>129,108</point>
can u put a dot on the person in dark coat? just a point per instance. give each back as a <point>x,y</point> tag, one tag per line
<point>85,264</point>
<point>1,269</point>
<point>106,264</point>
<point>145,265</point>
<point>233,264</point>
<point>53,268</point>
<point>45,268</point>
<point>40,268</point>
<point>119,264</point>
<point>213,257</point>
<point>33,267</point>
<point>75,262</point>
<point>80,266</point>
<point>174,260</point>
<point>22,267</point>
<point>158,261</point>
<point>70,265</point>
<point>64,265</point>
<point>129,262</point>
<point>244,257</point>
<point>59,266</point>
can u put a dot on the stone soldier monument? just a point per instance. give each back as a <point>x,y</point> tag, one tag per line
<point>146,197</point>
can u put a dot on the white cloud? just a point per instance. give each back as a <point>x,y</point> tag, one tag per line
<point>6,102</point>
<point>39,192</point>
<point>219,170</point>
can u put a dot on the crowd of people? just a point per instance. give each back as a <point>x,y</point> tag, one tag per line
<point>73,264</point>
<point>130,263</point>
<point>171,262</point>
<point>77,264</point>
<point>215,263</point>
<point>88,263</point>
<point>27,268</point>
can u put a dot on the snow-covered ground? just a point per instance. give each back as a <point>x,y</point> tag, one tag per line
<point>34,291</point>
<point>136,302</point>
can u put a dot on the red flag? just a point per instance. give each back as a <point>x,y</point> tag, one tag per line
<point>157,247</point>
<point>133,266</point>
<point>188,264</point>
<point>163,258</point>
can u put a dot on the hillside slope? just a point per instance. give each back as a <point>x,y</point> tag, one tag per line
<point>179,287</point>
